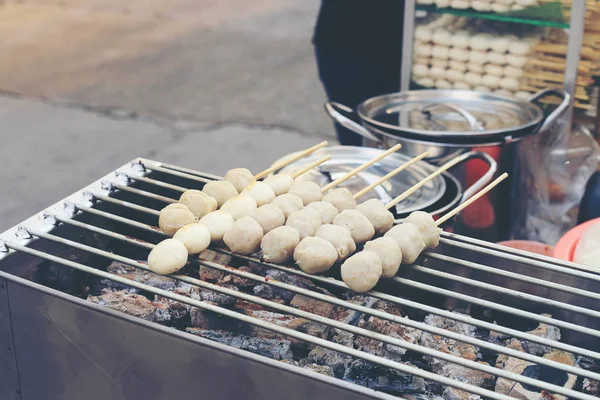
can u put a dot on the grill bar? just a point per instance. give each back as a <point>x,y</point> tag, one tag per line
<point>181,169</point>
<point>459,317</point>
<point>275,328</point>
<point>322,297</point>
<point>158,168</point>
<point>144,179</point>
<point>143,193</point>
<point>335,324</point>
<point>125,204</point>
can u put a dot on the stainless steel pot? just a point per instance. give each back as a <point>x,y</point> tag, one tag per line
<point>448,123</point>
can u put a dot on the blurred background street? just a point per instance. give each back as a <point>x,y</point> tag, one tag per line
<point>87,85</point>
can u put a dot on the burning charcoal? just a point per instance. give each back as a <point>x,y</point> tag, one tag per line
<point>337,362</point>
<point>209,320</point>
<point>137,275</point>
<point>344,338</point>
<point>63,278</point>
<point>321,369</point>
<point>133,304</point>
<point>388,328</point>
<point>455,394</point>
<point>211,275</point>
<point>238,280</point>
<point>219,298</point>
<point>288,321</point>
<point>294,280</point>
<point>445,344</point>
<point>472,376</point>
<point>178,311</point>
<point>352,317</point>
<point>215,257</point>
<point>590,386</point>
<point>266,292</point>
<point>276,349</point>
<point>421,396</point>
<point>383,379</point>
<point>312,305</point>
<point>291,362</point>
<point>544,331</point>
<point>540,372</point>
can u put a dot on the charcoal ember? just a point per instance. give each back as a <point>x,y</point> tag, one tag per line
<point>349,316</point>
<point>544,331</point>
<point>388,328</point>
<point>246,306</point>
<point>66,279</point>
<point>208,320</point>
<point>382,378</point>
<point>337,362</point>
<point>287,321</point>
<point>312,305</point>
<point>344,338</point>
<point>294,280</point>
<point>447,345</point>
<point>503,359</point>
<point>179,312</point>
<point>211,275</point>
<point>539,372</point>
<point>291,362</point>
<point>590,386</point>
<point>216,257</point>
<point>221,299</point>
<point>133,304</point>
<point>421,396</point>
<point>472,376</point>
<point>321,369</point>
<point>277,349</point>
<point>258,269</point>
<point>451,393</point>
<point>238,281</point>
<point>266,292</point>
<point>137,275</point>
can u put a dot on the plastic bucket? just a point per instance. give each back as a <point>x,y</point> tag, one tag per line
<point>531,246</point>
<point>565,247</point>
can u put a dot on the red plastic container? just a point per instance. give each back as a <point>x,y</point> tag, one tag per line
<point>565,247</point>
<point>531,246</point>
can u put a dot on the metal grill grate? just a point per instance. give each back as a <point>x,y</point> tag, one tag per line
<point>131,197</point>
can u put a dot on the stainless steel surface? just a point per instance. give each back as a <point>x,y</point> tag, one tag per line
<point>408,34</point>
<point>474,125</point>
<point>9,374</point>
<point>576,32</point>
<point>559,111</point>
<point>507,285</point>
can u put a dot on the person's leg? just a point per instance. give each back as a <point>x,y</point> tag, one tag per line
<point>350,79</point>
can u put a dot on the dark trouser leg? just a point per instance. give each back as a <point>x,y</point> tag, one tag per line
<point>350,78</point>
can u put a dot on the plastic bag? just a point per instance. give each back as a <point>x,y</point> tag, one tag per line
<point>554,168</point>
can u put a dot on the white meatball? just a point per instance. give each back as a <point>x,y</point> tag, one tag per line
<point>341,199</point>
<point>362,271</point>
<point>217,223</point>
<point>379,216</point>
<point>195,237</point>
<point>279,183</point>
<point>308,191</point>
<point>496,58</point>
<point>461,86</point>
<point>220,191</point>
<point>509,84</point>
<point>500,8</point>
<point>490,81</point>
<point>494,69</point>
<point>480,42</point>
<point>443,84</point>
<point>409,239</point>
<point>460,4</point>
<point>239,206</point>
<point>523,95</point>
<point>477,68</point>
<point>481,5</point>
<point>483,89</point>
<point>305,221</point>
<point>244,236</point>
<point>441,37</point>
<point>435,62</point>
<point>425,82</point>
<point>457,65</point>
<point>314,255</point>
<point>240,178</point>
<point>288,203</point>
<point>260,192</point>
<point>339,237</point>
<point>359,226</point>
<point>440,52</point>
<point>173,217</point>
<point>198,202</point>
<point>453,75</point>
<point>268,217</point>
<point>516,61</point>
<point>327,211</point>
<point>460,40</point>
<point>458,54</point>
<point>389,253</point>
<point>420,70</point>
<point>516,7</point>
<point>422,49</point>
<point>167,257</point>
<point>279,244</point>
<point>423,34</point>
<point>442,3</point>
<point>503,92</point>
<point>472,79</point>
<point>513,72</point>
<point>437,72</point>
<point>429,230</point>
<point>499,44</point>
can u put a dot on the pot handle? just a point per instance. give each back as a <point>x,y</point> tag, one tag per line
<point>331,107</point>
<point>471,120</point>
<point>554,115</point>
<point>485,179</point>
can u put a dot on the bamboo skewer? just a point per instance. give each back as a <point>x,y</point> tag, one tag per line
<point>470,201</point>
<point>391,174</point>
<point>310,166</point>
<point>290,160</point>
<point>421,183</point>
<point>360,168</point>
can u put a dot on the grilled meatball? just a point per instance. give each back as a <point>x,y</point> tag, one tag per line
<point>278,245</point>
<point>409,239</point>
<point>308,191</point>
<point>389,253</point>
<point>244,236</point>
<point>288,203</point>
<point>167,257</point>
<point>379,216</point>
<point>195,237</point>
<point>362,271</point>
<point>359,226</point>
<point>217,223</point>
<point>341,198</point>
<point>173,217</point>
<point>280,183</point>
<point>198,202</point>
<point>260,192</point>
<point>327,211</point>
<point>429,230</point>
<point>305,221</point>
<point>268,217</point>
<point>240,178</point>
<point>314,255</point>
<point>220,191</point>
<point>239,206</point>
<point>339,237</point>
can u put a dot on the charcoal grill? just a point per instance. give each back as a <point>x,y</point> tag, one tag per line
<point>57,345</point>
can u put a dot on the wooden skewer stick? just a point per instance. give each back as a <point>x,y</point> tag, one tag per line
<point>308,167</point>
<point>290,160</point>
<point>388,176</point>
<point>467,203</point>
<point>360,168</point>
<point>416,187</point>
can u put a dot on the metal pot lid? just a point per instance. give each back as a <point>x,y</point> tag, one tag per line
<point>345,158</point>
<point>450,115</point>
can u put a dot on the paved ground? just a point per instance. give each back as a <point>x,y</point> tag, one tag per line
<point>87,85</point>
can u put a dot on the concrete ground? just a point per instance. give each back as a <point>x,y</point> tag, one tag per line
<point>87,85</point>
